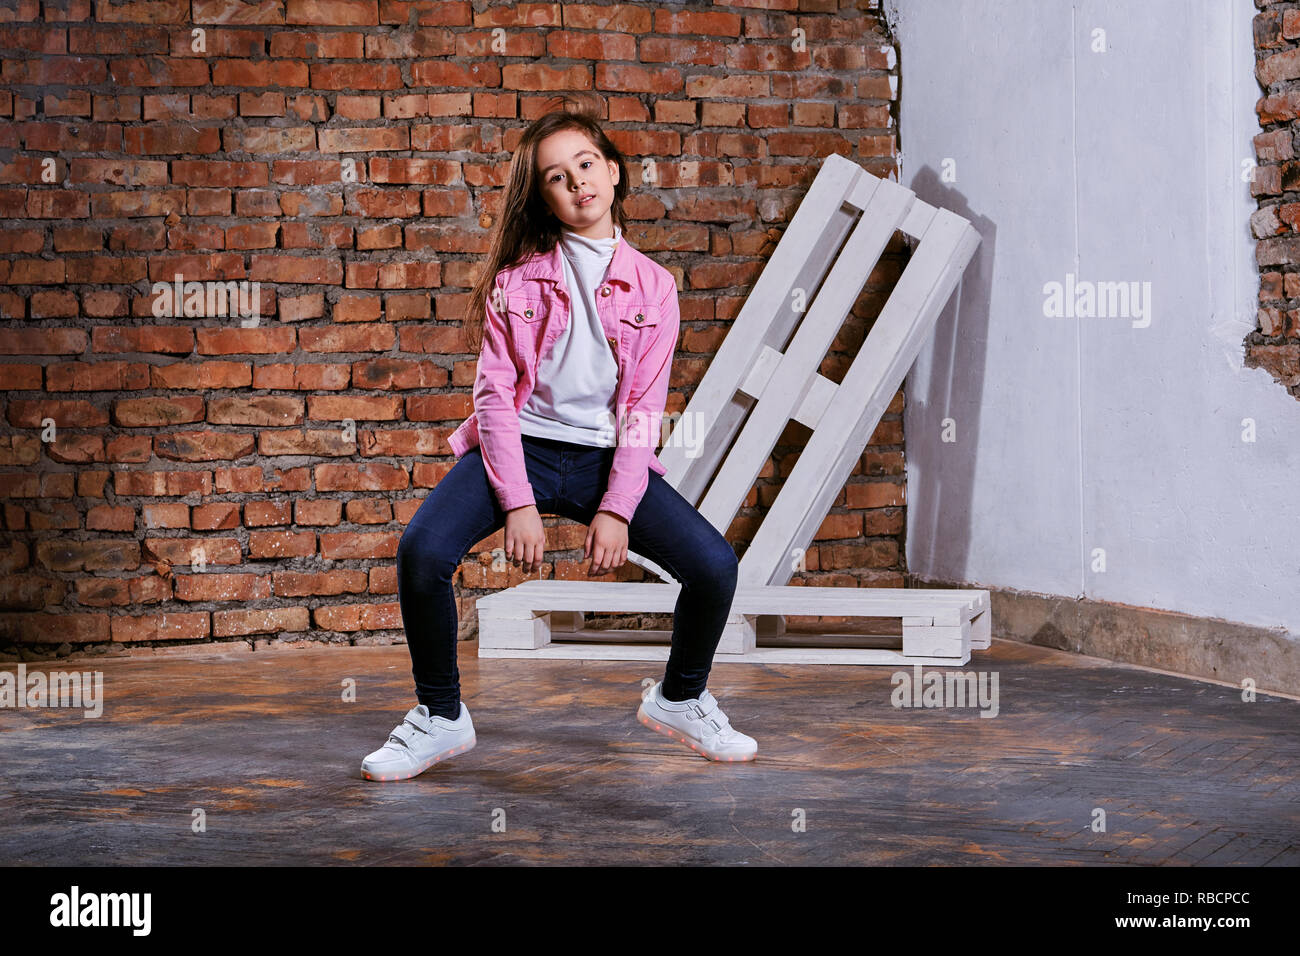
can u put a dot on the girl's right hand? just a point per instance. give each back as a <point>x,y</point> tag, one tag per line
<point>525,538</point>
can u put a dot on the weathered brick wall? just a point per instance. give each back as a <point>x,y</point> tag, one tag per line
<point>214,477</point>
<point>1275,344</point>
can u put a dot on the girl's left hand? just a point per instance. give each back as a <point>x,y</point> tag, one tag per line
<point>606,544</point>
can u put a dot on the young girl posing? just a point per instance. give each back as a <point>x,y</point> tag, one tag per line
<point>578,334</point>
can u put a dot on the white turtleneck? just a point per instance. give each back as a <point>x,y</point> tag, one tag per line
<point>573,399</point>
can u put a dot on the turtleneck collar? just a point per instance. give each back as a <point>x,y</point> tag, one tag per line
<point>576,245</point>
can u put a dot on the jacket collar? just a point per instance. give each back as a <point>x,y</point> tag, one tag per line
<point>547,265</point>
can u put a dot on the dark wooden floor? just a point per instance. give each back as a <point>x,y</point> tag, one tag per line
<point>1186,773</point>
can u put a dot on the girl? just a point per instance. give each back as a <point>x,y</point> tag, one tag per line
<point>578,331</point>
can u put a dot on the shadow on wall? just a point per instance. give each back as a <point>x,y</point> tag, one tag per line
<point>940,497</point>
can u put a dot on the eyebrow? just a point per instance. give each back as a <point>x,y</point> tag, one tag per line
<point>575,156</point>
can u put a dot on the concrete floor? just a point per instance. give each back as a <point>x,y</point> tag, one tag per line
<point>262,743</point>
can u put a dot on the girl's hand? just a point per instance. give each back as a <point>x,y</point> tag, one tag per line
<point>606,543</point>
<point>525,538</point>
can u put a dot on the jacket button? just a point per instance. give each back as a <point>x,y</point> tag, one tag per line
<point>640,317</point>
<point>604,290</point>
<point>612,342</point>
<point>529,313</point>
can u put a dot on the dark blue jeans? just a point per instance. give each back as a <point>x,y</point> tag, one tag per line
<point>568,480</point>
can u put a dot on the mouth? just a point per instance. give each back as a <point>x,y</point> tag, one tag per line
<point>586,200</point>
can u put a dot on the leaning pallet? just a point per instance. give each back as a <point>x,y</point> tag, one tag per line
<point>765,375</point>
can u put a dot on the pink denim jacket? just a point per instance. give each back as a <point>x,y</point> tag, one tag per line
<point>526,312</point>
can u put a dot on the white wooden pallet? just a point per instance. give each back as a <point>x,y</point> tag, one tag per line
<point>765,375</point>
<point>542,618</point>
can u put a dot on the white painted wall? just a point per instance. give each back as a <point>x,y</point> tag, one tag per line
<point>1082,433</point>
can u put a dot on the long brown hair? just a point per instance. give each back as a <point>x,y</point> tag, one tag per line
<point>527,224</point>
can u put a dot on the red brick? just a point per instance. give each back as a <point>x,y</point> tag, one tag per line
<point>369,476</point>
<point>875,494</point>
<point>13,556</point>
<point>383,580</point>
<point>166,515</point>
<point>402,443</point>
<point>356,76</point>
<point>55,515</point>
<point>838,526</point>
<point>174,626</point>
<point>43,627</point>
<point>164,339</point>
<point>60,554</point>
<point>215,586</point>
<point>359,617</point>
<point>201,375</point>
<point>237,480</point>
<point>295,269</point>
<point>128,448</point>
<point>149,589</point>
<point>352,338</point>
<point>20,377</point>
<point>158,483</point>
<point>369,511</point>
<point>66,413</point>
<point>314,377</point>
<point>110,518</point>
<point>398,373</point>
<point>256,73</point>
<point>332,13</point>
<point>265,621</point>
<point>317,511</point>
<point>31,591</point>
<point>281,544</point>
<point>106,592</point>
<point>241,341</point>
<point>273,410</point>
<point>194,552</point>
<point>452,406</point>
<point>889,521</point>
<point>318,584</point>
<point>26,449</point>
<point>91,483</point>
<point>364,139</point>
<point>312,441</point>
<point>155,412</point>
<point>344,545</point>
<point>356,408</point>
<point>215,516</point>
<point>94,376</point>
<point>203,445</point>
<point>56,485</point>
<point>261,514</point>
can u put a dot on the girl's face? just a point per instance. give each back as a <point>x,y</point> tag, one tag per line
<point>570,168</point>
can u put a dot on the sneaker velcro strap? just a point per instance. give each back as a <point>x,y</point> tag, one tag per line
<point>703,711</point>
<point>404,734</point>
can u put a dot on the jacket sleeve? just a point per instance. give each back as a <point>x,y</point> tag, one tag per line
<point>641,421</point>
<point>494,403</point>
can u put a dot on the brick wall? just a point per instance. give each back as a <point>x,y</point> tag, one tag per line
<point>1275,344</point>
<point>211,476</point>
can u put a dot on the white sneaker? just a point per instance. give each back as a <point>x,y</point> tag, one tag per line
<point>419,742</point>
<point>699,723</point>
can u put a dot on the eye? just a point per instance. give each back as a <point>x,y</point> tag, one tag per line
<point>584,164</point>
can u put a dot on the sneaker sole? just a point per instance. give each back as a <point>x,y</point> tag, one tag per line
<point>675,734</point>
<point>436,758</point>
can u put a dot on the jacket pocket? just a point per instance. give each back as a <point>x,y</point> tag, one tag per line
<point>637,330</point>
<point>526,314</point>
<point>640,316</point>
